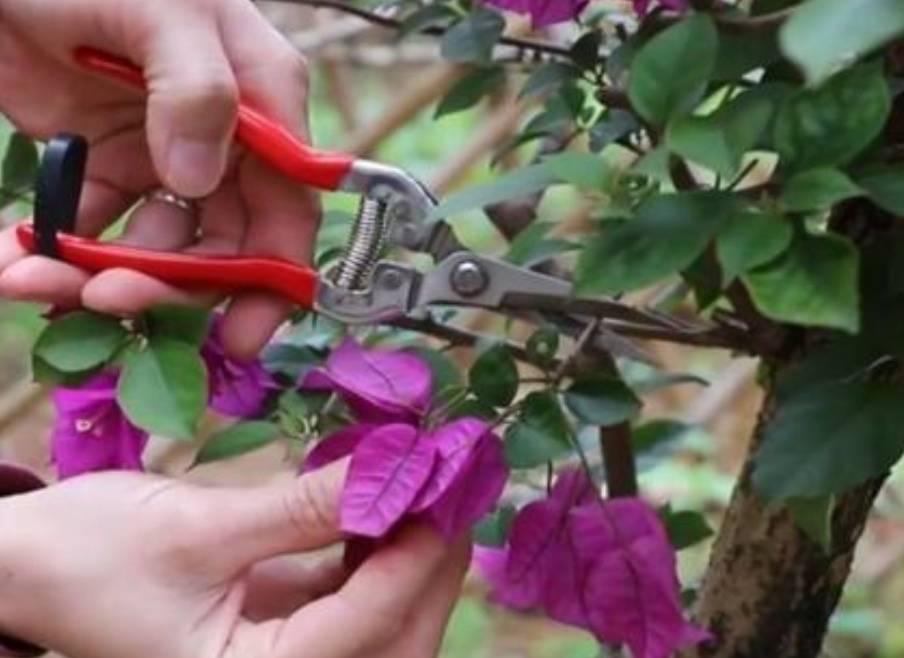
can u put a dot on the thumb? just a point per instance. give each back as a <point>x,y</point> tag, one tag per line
<point>245,526</point>
<point>193,98</point>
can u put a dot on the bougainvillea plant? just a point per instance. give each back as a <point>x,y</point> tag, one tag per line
<point>742,161</point>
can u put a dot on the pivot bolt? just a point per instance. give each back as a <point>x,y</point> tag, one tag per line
<point>469,279</point>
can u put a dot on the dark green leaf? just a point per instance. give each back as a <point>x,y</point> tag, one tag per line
<point>540,433</point>
<point>238,440</point>
<point>163,388</point>
<point>704,276</point>
<point>432,15</point>
<point>685,528</point>
<point>80,341</point>
<point>543,345</point>
<point>291,361</point>
<point>813,283</point>
<point>469,90</point>
<point>45,374</point>
<point>828,439</point>
<point>613,126</point>
<point>667,234</point>
<point>743,51</point>
<point>546,78</point>
<point>669,72</point>
<point>472,39</point>
<point>823,36</point>
<point>493,529</point>
<point>830,125</point>
<point>658,436</point>
<point>818,188</point>
<point>814,517</point>
<point>446,373</point>
<point>885,187</point>
<point>751,239</point>
<point>585,52</point>
<point>719,140</point>
<point>494,376</point>
<point>601,400</point>
<point>187,324</point>
<point>473,408</point>
<point>532,246</point>
<point>20,166</point>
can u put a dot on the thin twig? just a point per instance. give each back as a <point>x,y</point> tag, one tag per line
<point>394,24</point>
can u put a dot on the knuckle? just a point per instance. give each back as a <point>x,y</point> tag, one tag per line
<point>309,505</point>
<point>296,66</point>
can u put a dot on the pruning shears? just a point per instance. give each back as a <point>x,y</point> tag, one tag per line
<point>396,210</point>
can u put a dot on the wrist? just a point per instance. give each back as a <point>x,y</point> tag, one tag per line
<point>13,481</point>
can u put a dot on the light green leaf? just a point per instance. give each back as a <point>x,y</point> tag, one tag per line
<point>885,187</point>
<point>79,341</point>
<point>719,140</point>
<point>472,39</point>
<point>814,517</point>
<point>670,71</point>
<point>524,181</point>
<point>237,440</point>
<point>494,376</point>
<point>823,36</point>
<point>667,234</point>
<point>818,188</point>
<point>547,77</point>
<point>830,125</point>
<point>187,324</point>
<point>540,433</point>
<point>163,388</point>
<point>828,439</point>
<point>813,283</point>
<point>751,239</point>
<point>469,90</point>
<point>583,170</point>
<point>601,400</point>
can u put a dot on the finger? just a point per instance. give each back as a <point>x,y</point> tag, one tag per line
<point>42,279</point>
<point>244,526</point>
<point>372,606</point>
<point>127,293</point>
<point>193,100</point>
<point>11,250</point>
<point>278,587</point>
<point>283,216</point>
<point>160,226</point>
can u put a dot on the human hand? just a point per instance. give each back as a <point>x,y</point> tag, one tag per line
<point>125,565</point>
<point>198,56</point>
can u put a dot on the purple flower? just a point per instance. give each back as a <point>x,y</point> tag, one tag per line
<point>91,432</point>
<point>543,12</point>
<point>378,385</point>
<point>237,389</point>
<point>607,567</point>
<point>642,7</point>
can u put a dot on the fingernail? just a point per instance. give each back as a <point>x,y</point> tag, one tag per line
<point>193,167</point>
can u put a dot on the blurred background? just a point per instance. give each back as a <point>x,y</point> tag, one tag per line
<point>376,95</point>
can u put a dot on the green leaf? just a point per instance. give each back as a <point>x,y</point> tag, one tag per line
<point>432,15</point>
<point>20,167</point>
<point>814,517</point>
<point>885,187</point>
<point>743,51</point>
<point>685,528</point>
<point>613,126</point>
<point>494,376</point>
<point>601,400</point>
<point>473,408</point>
<point>719,140</point>
<point>187,324</point>
<point>667,234</point>
<point>658,435</point>
<point>493,529</point>
<point>237,440</point>
<point>827,439</point>
<point>532,246</point>
<point>546,78</point>
<point>813,283</point>
<point>543,345</point>
<point>540,434</point>
<point>818,188</point>
<point>523,181</point>
<point>585,52</point>
<point>670,71</point>
<point>751,239</point>
<point>163,388</point>
<point>469,90</point>
<point>290,361</point>
<point>583,170</point>
<point>822,36</point>
<point>43,373</point>
<point>445,373</point>
<point>830,125</point>
<point>472,39</point>
<point>80,341</point>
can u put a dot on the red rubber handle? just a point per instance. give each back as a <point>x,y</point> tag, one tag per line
<point>228,274</point>
<point>268,140</point>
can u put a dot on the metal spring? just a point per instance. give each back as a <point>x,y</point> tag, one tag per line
<point>364,245</point>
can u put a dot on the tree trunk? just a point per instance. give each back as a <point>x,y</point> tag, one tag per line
<point>770,590</point>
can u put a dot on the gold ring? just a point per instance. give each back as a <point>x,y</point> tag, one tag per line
<point>164,195</point>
